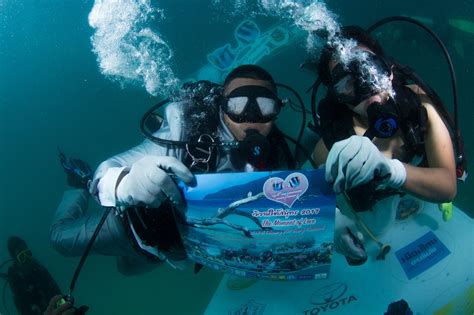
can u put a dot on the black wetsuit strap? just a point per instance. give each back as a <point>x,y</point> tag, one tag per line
<point>32,287</point>
<point>157,227</point>
<point>414,120</point>
<point>280,147</point>
<point>335,121</point>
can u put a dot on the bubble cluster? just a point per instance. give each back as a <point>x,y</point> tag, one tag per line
<point>127,49</point>
<point>322,27</point>
<point>348,52</point>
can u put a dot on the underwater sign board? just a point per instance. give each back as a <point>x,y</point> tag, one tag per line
<point>268,225</point>
<point>443,288</point>
<point>250,45</point>
<point>421,254</point>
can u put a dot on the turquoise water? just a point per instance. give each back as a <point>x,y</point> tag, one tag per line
<point>53,92</point>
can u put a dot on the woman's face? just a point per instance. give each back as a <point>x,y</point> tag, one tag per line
<point>361,108</point>
<point>346,86</point>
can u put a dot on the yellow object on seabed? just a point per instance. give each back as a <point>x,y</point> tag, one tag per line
<point>447,210</point>
<point>462,304</point>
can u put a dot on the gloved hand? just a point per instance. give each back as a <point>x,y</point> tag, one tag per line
<point>55,307</point>
<point>148,183</point>
<point>348,240</point>
<point>357,160</point>
<point>78,172</point>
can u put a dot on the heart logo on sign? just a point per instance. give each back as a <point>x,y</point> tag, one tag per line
<point>286,191</point>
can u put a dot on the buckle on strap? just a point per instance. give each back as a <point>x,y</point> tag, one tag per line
<point>201,155</point>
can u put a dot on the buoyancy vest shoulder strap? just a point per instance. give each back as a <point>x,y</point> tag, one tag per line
<point>413,119</point>
<point>335,121</point>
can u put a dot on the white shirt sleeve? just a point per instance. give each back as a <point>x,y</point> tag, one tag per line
<point>107,174</point>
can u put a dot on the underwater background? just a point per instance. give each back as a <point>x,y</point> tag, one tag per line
<point>55,91</point>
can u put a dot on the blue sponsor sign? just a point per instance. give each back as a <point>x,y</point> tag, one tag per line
<point>421,254</point>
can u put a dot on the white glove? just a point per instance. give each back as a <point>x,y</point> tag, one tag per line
<point>357,160</point>
<point>148,183</point>
<point>348,240</point>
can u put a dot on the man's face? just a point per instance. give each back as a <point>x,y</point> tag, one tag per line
<point>239,129</point>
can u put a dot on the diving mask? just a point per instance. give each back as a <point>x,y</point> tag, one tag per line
<point>253,104</point>
<point>24,256</point>
<point>355,82</point>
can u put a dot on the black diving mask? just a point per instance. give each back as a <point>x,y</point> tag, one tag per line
<point>353,83</point>
<point>24,256</point>
<point>253,104</point>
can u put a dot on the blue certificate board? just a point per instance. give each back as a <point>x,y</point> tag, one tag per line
<point>268,225</point>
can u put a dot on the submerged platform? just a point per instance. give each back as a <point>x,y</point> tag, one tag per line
<point>430,266</point>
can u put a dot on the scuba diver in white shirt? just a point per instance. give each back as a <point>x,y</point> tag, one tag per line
<point>207,128</point>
